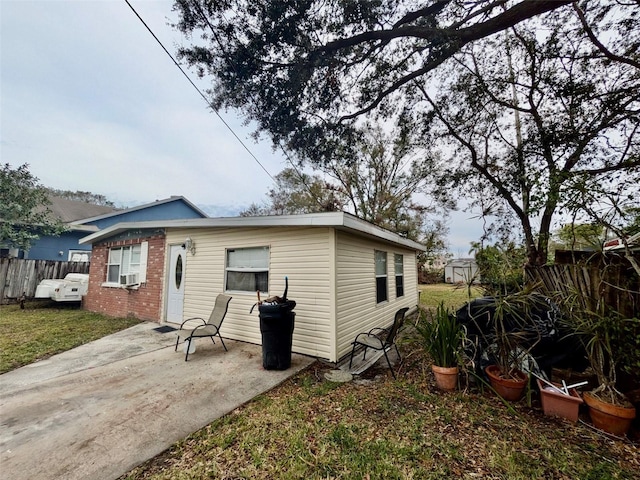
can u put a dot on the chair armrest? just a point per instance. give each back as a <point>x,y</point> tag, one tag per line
<point>369,341</point>
<point>194,318</point>
<point>379,331</point>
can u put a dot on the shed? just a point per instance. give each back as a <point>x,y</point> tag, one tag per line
<point>461,270</point>
<point>346,275</point>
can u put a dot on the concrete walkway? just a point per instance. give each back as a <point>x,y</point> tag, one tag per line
<point>99,410</point>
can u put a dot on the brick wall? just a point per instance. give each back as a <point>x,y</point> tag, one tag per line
<point>145,302</point>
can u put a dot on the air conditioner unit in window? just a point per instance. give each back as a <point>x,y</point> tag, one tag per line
<point>129,279</point>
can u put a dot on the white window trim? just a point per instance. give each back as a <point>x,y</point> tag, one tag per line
<point>71,253</point>
<point>384,275</point>
<point>396,274</point>
<point>266,269</point>
<point>142,266</point>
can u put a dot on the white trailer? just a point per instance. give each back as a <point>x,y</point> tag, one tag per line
<point>68,289</point>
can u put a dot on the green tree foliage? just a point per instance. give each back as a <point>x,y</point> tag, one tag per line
<point>24,212</point>
<point>303,70</point>
<point>501,267</point>
<point>297,192</point>
<point>382,180</point>
<point>86,197</point>
<point>379,184</point>
<point>579,237</point>
<point>539,99</point>
<point>632,226</point>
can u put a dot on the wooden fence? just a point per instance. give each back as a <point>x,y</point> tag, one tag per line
<point>19,276</point>
<point>617,285</point>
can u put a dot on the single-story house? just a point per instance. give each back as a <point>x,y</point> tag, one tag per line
<point>461,270</point>
<point>82,218</point>
<point>346,275</point>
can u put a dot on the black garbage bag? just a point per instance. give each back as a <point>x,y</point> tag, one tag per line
<point>549,344</point>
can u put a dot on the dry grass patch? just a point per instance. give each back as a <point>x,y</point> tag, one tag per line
<point>380,428</point>
<point>406,429</point>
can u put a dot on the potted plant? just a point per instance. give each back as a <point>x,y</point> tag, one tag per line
<point>511,335</point>
<point>441,336</point>
<point>599,330</point>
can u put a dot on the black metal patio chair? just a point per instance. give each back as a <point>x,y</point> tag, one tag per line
<point>380,339</point>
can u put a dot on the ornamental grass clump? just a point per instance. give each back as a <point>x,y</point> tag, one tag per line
<point>441,335</point>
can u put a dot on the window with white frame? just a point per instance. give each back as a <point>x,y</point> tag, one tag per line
<point>247,269</point>
<point>382,294</point>
<point>123,261</point>
<point>79,255</point>
<point>398,261</point>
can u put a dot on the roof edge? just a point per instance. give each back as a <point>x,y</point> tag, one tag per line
<point>141,207</point>
<point>340,220</point>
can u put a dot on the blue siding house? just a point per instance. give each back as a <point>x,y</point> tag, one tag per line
<point>83,219</point>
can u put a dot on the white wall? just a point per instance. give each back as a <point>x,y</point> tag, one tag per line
<point>357,309</point>
<point>301,254</point>
<point>331,276</point>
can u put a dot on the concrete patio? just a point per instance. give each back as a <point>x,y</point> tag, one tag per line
<point>101,409</point>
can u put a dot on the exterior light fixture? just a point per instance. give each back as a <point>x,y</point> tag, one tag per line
<point>189,245</point>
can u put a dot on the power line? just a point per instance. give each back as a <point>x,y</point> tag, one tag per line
<point>221,45</point>
<point>198,90</point>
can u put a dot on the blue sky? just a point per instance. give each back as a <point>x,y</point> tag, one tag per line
<point>91,102</point>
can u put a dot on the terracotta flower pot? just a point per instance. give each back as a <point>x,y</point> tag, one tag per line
<point>556,404</point>
<point>508,388</point>
<point>446,377</point>
<point>608,417</point>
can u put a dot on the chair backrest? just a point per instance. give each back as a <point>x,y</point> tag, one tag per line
<point>219,310</point>
<point>397,323</point>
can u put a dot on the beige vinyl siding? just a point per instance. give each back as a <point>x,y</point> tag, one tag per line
<point>301,254</point>
<point>356,305</point>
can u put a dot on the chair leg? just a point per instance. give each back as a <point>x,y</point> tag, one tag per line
<point>211,337</point>
<point>188,348</point>
<point>389,363</point>
<point>177,341</point>
<point>225,347</point>
<point>353,350</point>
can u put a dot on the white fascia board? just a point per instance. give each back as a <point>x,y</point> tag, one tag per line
<point>339,220</point>
<point>82,228</point>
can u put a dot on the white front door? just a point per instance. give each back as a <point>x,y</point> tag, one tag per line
<point>175,282</point>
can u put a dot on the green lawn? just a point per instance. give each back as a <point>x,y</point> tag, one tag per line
<point>312,428</point>
<point>453,296</point>
<point>388,429</point>
<point>45,328</point>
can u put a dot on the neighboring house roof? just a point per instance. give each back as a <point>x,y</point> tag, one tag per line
<point>104,215</point>
<point>462,262</point>
<point>617,244</point>
<point>338,220</point>
<point>68,211</point>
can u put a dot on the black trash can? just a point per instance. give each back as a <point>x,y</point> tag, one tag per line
<point>276,326</point>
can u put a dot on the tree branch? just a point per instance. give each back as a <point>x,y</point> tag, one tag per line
<point>607,53</point>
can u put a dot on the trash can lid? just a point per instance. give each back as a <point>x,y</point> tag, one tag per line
<point>277,307</point>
